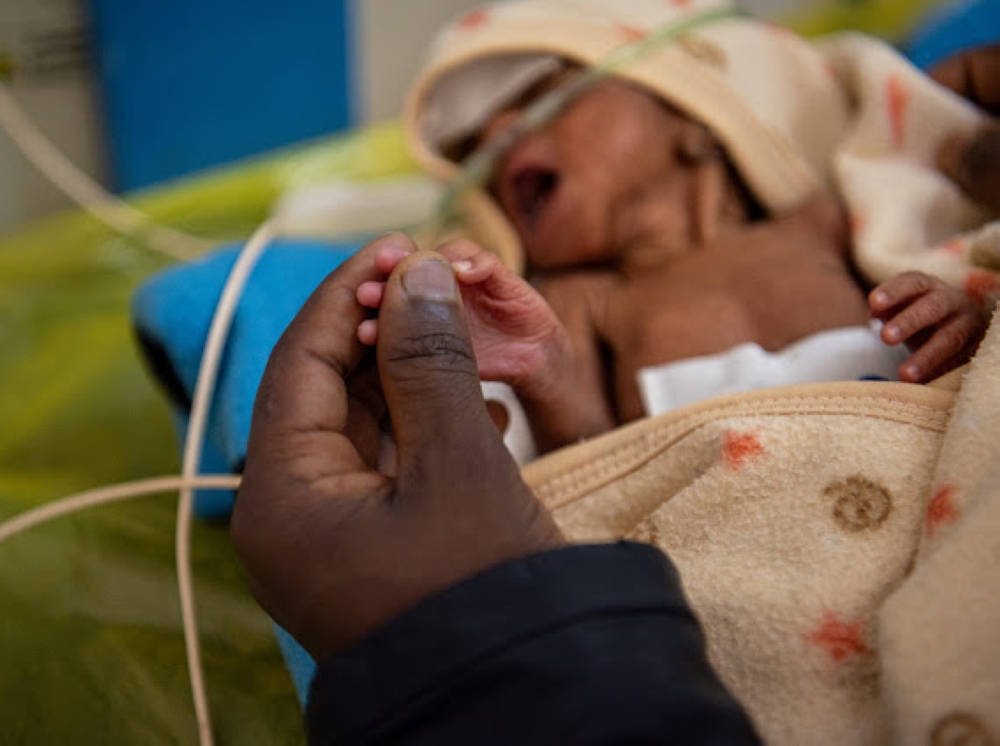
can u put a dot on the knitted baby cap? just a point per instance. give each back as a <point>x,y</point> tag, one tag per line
<point>767,95</point>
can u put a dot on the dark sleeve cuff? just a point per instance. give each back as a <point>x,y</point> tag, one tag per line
<point>591,643</point>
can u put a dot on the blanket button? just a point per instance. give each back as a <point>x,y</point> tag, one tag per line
<point>960,729</point>
<point>858,504</point>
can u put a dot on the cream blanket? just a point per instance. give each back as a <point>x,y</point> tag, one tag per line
<point>839,542</point>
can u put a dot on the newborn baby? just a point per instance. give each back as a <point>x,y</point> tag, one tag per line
<point>644,247</point>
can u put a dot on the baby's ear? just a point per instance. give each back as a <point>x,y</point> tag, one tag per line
<point>696,144</point>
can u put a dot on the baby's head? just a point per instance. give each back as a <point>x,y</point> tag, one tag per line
<point>617,176</point>
<point>694,134</point>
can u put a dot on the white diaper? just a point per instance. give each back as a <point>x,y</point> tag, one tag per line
<point>851,354</point>
<point>517,435</point>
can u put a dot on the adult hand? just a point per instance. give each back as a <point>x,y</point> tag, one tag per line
<point>972,160</point>
<point>343,520</point>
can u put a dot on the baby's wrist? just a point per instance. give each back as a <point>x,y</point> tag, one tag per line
<point>547,378</point>
<point>560,405</point>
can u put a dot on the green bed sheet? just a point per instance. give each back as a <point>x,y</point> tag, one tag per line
<point>90,643</point>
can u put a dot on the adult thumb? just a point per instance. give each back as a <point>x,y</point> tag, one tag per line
<point>428,370</point>
<point>973,163</point>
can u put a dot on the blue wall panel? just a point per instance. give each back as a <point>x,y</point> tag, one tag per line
<point>188,84</point>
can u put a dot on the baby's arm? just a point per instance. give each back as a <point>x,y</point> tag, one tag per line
<point>519,340</point>
<point>939,323</point>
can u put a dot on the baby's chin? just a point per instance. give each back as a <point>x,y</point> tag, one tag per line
<point>583,244</point>
<point>551,259</point>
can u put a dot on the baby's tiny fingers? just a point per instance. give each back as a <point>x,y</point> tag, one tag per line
<point>931,309</point>
<point>368,332</point>
<point>472,264</point>
<point>477,269</point>
<point>899,289</point>
<point>460,249</point>
<point>945,345</point>
<point>370,294</point>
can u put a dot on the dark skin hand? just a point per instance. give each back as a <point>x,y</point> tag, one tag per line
<point>972,160</point>
<point>344,521</point>
<point>519,340</point>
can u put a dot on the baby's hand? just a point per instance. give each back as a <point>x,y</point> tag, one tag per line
<point>517,337</point>
<point>518,340</point>
<point>940,324</point>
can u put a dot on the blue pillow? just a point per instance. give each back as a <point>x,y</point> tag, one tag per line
<point>172,313</point>
<point>957,26</point>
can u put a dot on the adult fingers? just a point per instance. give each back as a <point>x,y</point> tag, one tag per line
<point>429,375</point>
<point>310,441</point>
<point>973,74</point>
<point>366,412</point>
<point>303,385</point>
<point>973,163</point>
<point>301,414</point>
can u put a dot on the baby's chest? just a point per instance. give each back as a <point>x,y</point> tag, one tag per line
<point>663,328</point>
<point>680,314</point>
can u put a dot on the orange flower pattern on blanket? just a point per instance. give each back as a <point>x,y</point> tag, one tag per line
<point>840,640</point>
<point>474,19</point>
<point>740,448</point>
<point>941,510</point>
<point>897,99</point>
<point>962,729</point>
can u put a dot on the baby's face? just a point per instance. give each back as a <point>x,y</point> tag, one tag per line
<point>609,176</point>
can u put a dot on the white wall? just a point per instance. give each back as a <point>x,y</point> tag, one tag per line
<point>50,81</point>
<point>65,112</point>
<point>393,36</point>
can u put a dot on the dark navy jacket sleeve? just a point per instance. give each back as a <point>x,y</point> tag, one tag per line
<point>582,645</point>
